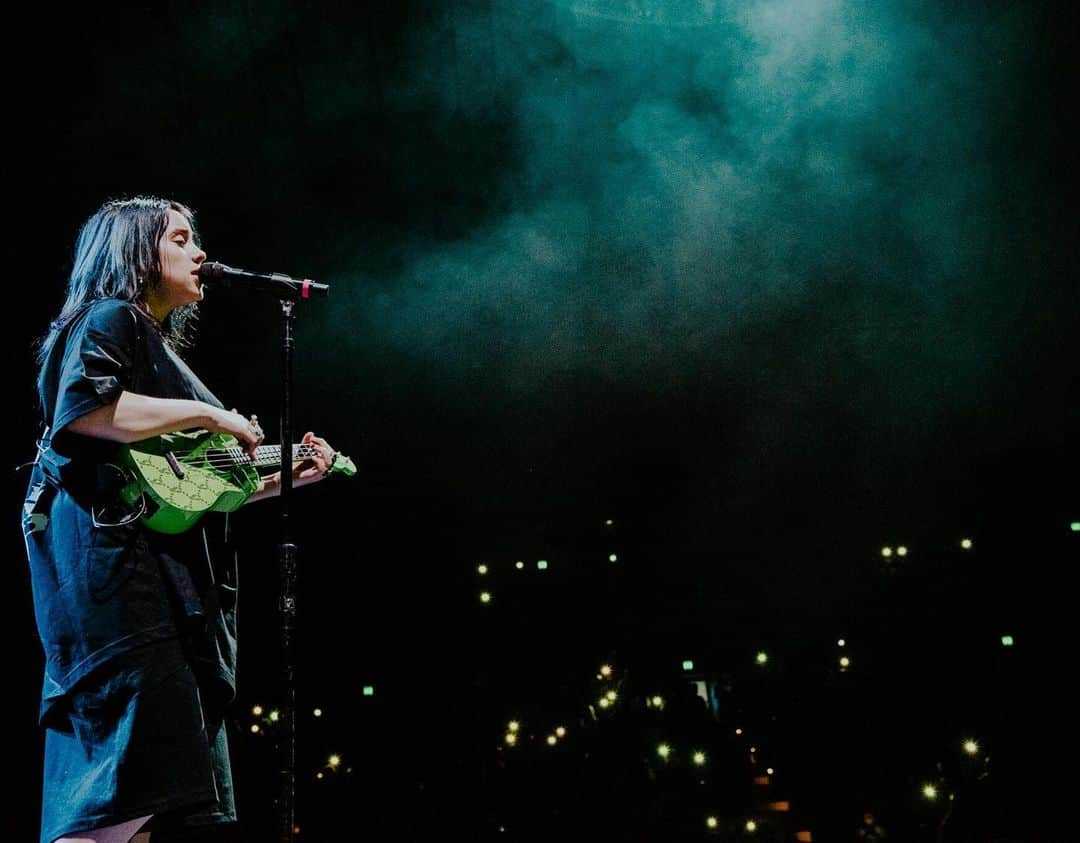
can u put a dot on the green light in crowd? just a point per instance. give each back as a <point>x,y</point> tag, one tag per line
<point>1075,526</point>
<point>369,690</point>
<point>687,664</point>
<point>1006,640</point>
<point>541,565</point>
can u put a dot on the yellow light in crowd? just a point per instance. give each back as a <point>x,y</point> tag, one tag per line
<point>769,771</point>
<point>657,701</point>
<point>841,643</point>
<point>971,748</point>
<point>275,716</point>
<point>319,775</point>
<point>929,791</point>
<point>334,761</point>
<point>901,551</point>
<point>519,565</point>
<point>511,738</point>
<point>711,822</point>
<point>561,732</point>
<point>611,695</point>
<point>613,558</point>
<point>254,728</point>
<point>609,522</point>
<point>485,597</point>
<point>966,544</point>
<point>753,749</point>
<point>663,750</point>
<point>886,552</point>
<point>317,712</point>
<point>605,670</point>
<point>699,758</point>
<point>481,569</point>
<point>751,826</point>
<point>513,726</point>
<point>604,702</point>
<point>552,740</point>
<point>257,711</point>
<point>762,657</point>
<point>738,731</point>
<point>845,661</point>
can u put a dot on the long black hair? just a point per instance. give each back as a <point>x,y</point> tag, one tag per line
<point>117,257</point>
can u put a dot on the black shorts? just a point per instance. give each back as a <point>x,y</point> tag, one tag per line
<point>133,739</point>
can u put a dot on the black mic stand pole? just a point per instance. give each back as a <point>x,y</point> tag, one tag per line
<point>287,567</point>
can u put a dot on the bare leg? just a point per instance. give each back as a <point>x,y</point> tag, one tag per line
<point>121,833</point>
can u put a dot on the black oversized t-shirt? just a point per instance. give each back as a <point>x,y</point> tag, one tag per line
<point>101,591</point>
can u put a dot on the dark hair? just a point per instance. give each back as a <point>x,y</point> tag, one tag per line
<point>117,257</point>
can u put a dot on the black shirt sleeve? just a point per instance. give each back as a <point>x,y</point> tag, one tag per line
<point>98,361</point>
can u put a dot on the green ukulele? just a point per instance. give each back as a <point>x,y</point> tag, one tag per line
<point>178,477</point>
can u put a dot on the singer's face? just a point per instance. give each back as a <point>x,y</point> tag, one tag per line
<point>180,262</point>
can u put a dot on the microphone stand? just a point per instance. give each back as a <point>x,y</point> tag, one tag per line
<point>290,291</point>
<point>287,552</point>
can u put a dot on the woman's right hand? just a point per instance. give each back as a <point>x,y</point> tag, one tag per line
<point>247,431</point>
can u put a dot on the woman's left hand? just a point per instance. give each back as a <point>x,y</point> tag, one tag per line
<point>316,467</point>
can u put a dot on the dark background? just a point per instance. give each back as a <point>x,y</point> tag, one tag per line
<point>769,285</point>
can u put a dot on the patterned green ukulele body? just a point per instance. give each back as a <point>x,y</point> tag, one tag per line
<point>185,475</point>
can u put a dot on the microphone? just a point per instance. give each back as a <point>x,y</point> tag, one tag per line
<point>275,284</point>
